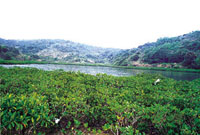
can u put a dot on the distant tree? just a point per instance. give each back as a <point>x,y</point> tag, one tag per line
<point>177,57</point>
<point>189,59</point>
<point>196,63</point>
<point>8,53</point>
<point>134,57</point>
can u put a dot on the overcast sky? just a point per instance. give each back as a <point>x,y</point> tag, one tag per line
<point>106,23</point>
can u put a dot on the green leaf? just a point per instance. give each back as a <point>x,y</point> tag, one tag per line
<point>77,123</point>
<point>38,118</point>
<point>13,116</point>
<point>9,126</point>
<point>13,124</point>
<point>85,125</point>
<point>68,124</point>
<point>32,120</point>
<point>21,127</point>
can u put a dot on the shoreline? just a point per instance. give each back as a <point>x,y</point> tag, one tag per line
<point>102,65</point>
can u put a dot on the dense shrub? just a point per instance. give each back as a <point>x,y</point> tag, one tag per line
<point>32,99</point>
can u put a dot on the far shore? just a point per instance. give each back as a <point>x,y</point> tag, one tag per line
<point>104,65</point>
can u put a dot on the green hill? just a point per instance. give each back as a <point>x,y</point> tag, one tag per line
<point>61,51</point>
<point>174,52</point>
<point>181,51</point>
<point>9,53</point>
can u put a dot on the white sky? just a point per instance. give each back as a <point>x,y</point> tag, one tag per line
<point>106,23</point>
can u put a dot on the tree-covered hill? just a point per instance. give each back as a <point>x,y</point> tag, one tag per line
<point>176,52</point>
<point>61,51</point>
<point>183,51</point>
<point>9,53</point>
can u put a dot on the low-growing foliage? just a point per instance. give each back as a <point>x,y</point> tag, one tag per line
<point>32,99</point>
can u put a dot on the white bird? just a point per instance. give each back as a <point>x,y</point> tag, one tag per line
<point>56,120</point>
<point>158,80</point>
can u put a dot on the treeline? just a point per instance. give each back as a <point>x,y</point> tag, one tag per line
<point>61,51</point>
<point>183,50</point>
<point>12,53</point>
<point>176,52</point>
<point>8,53</point>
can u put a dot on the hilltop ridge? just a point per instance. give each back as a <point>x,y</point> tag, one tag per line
<point>59,51</point>
<point>180,51</point>
<point>174,52</point>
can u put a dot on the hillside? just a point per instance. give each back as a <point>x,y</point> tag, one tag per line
<point>176,52</point>
<point>9,53</point>
<point>61,51</point>
<point>181,51</point>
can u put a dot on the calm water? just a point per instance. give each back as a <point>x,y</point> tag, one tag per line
<point>110,70</point>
